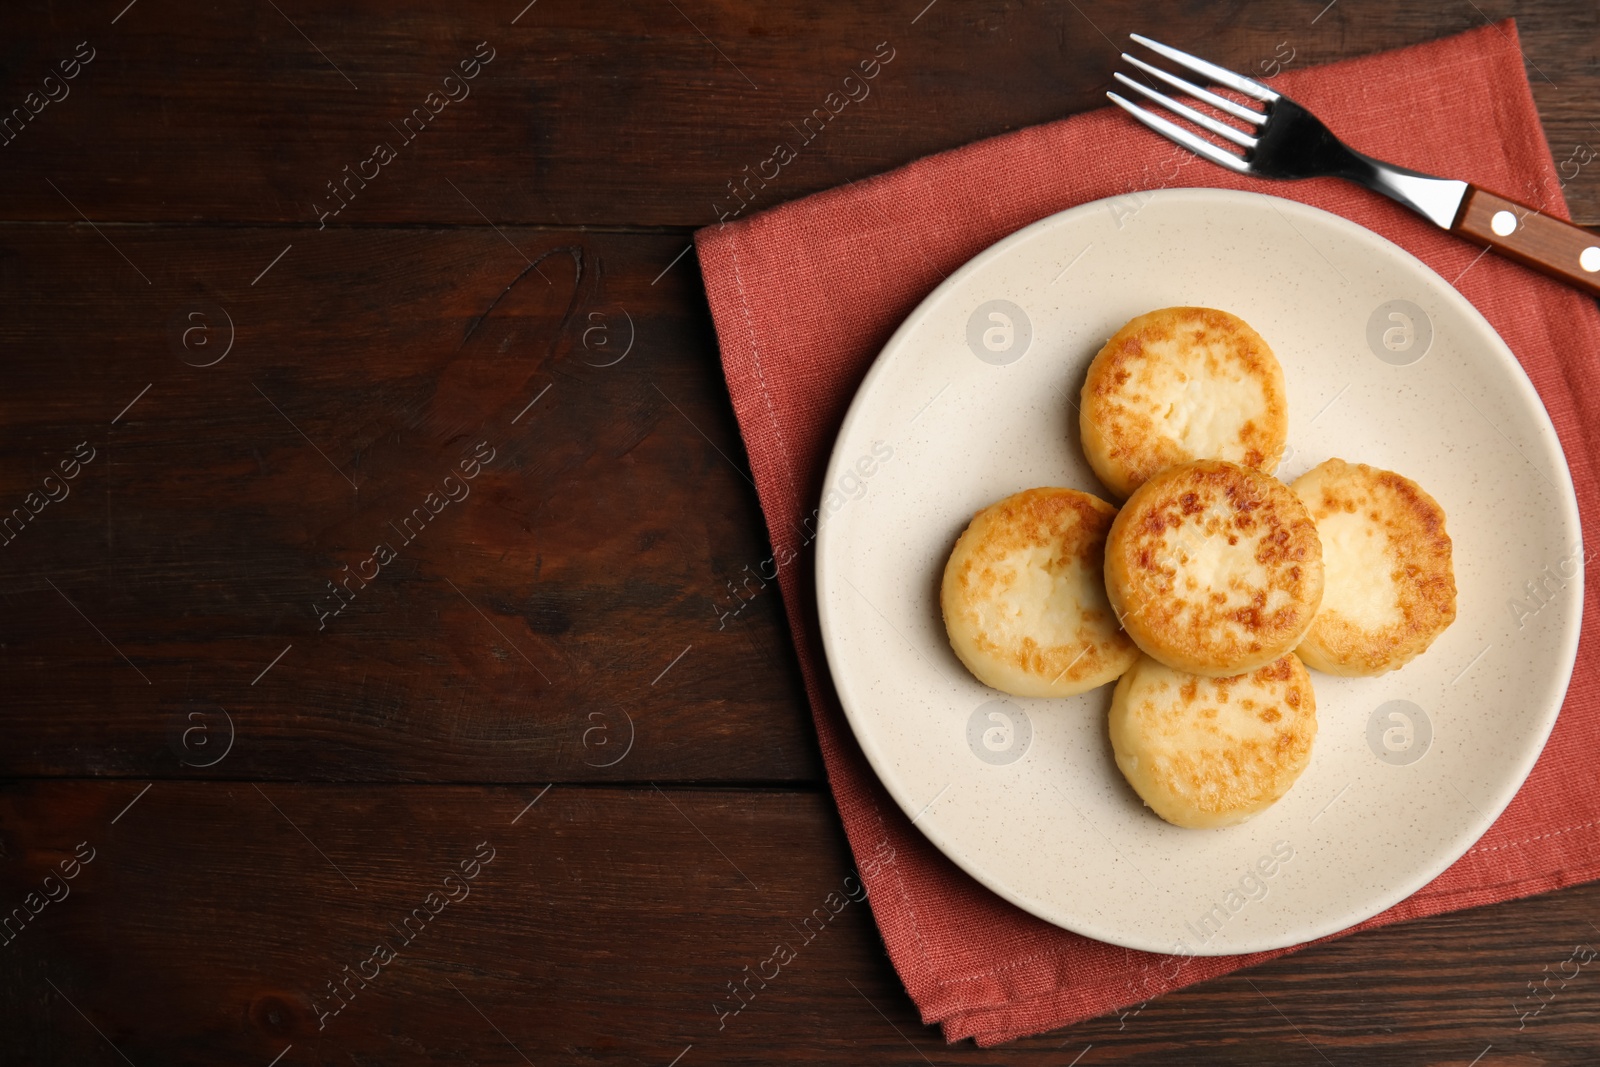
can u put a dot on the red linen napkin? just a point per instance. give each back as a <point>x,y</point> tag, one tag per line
<point>806,294</point>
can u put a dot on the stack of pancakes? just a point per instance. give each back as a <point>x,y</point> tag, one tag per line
<point>1213,586</point>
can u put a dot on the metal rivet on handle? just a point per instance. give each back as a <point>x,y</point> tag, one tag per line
<point>1503,223</point>
<point>1589,258</point>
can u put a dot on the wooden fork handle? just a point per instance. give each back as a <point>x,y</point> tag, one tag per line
<point>1559,249</point>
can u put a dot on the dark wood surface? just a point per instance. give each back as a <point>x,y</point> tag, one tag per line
<point>265,786</point>
<point>596,546</point>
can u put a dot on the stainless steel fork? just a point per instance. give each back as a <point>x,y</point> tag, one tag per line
<point>1284,140</point>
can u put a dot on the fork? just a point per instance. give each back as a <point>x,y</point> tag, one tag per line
<point>1290,142</point>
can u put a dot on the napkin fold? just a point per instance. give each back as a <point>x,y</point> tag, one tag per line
<point>805,295</point>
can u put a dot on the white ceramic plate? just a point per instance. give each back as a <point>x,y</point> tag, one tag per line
<point>973,399</point>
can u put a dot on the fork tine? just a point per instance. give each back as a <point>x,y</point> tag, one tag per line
<point>1221,103</point>
<point>1220,75</point>
<point>1221,129</point>
<point>1172,131</point>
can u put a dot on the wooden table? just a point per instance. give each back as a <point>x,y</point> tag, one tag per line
<point>397,594</point>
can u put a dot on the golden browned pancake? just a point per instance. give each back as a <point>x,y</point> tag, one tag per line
<point>1214,568</point>
<point>1390,583</point>
<point>1208,752</point>
<point>1024,598</point>
<point>1181,384</point>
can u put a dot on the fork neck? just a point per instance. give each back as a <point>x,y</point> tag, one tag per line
<point>1436,199</point>
<point>1317,152</point>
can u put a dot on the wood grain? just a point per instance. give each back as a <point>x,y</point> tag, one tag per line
<point>267,785</point>
<point>519,632</point>
<point>1519,232</point>
<point>213,914</point>
<point>589,117</point>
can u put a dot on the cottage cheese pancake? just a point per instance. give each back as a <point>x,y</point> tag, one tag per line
<point>1209,752</point>
<point>1181,384</point>
<point>1214,568</point>
<point>1390,582</point>
<point>1024,598</point>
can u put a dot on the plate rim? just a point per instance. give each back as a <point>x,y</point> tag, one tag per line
<point>1339,920</point>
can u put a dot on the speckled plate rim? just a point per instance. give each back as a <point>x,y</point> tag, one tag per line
<point>1518,765</point>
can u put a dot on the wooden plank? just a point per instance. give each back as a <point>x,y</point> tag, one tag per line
<point>547,450</point>
<point>607,925</point>
<point>585,115</point>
